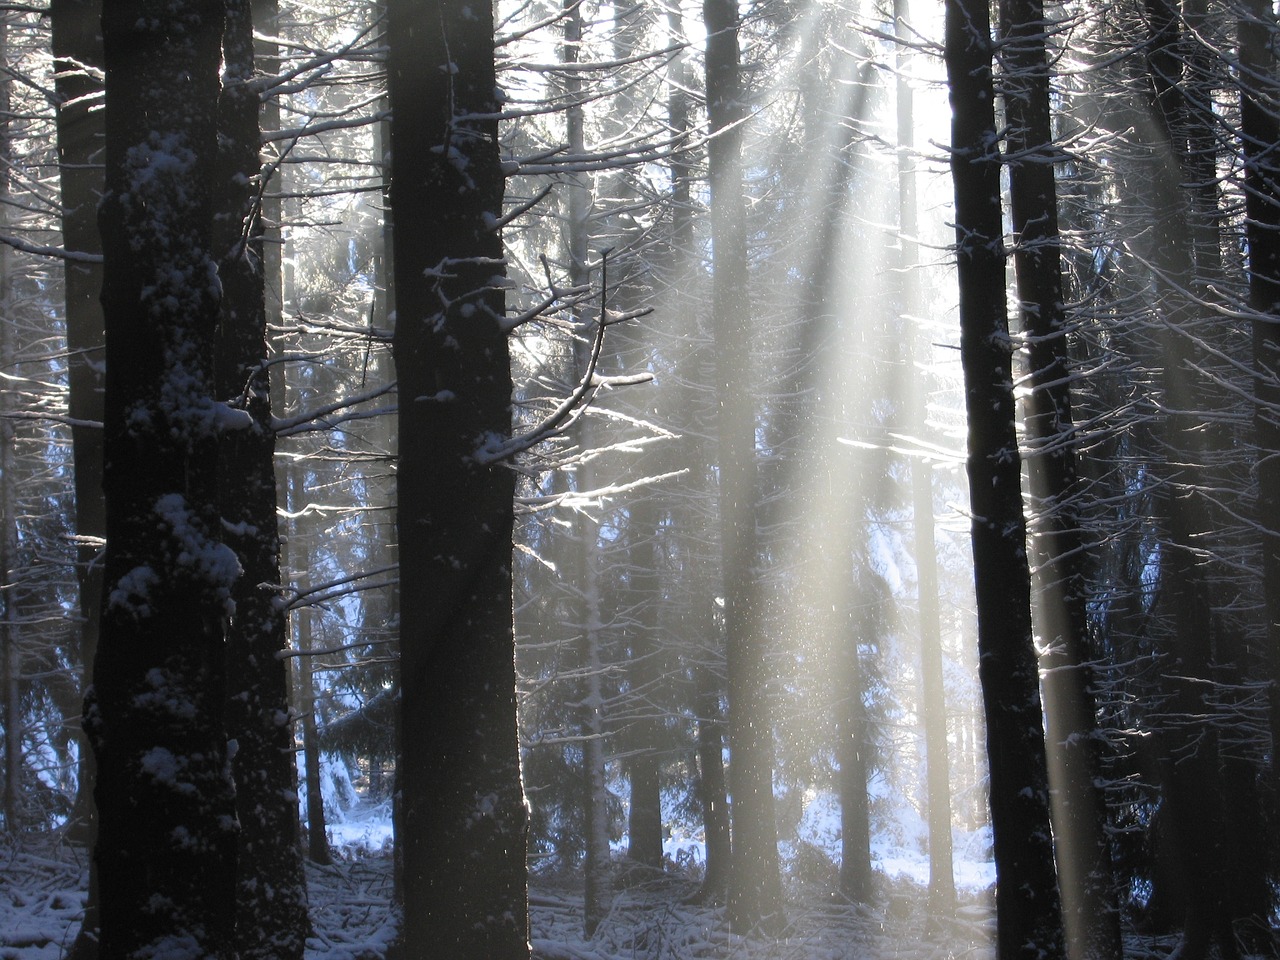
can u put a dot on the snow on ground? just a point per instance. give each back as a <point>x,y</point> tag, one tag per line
<point>42,885</point>
<point>41,897</point>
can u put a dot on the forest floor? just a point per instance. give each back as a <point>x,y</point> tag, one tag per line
<point>42,883</point>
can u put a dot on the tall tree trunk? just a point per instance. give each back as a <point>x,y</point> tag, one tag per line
<point>77,52</point>
<point>755,884</point>
<point>464,823</point>
<point>1091,911</point>
<point>1028,914</point>
<point>271,908</point>
<point>644,768</point>
<point>76,27</point>
<point>1195,805</point>
<point>1259,134</point>
<point>933,695</point>
<point>155,714</point>
<point>853,747</point>
<point>304,689</point>
<point>596,860</point>
<point>712,795</point>
<point>10,650</point>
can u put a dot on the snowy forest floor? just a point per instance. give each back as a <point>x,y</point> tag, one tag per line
<point>42,883</point>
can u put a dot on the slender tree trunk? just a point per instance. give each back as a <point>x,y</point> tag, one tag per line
<point>304,694</point>
<point>933,705</point>
<point>1028,913</point>
<point>853,748</point>
<point>712,794</point>
<point>643,763</point>
<point>10,650</point>
<point>76,27</point>
<point>1195,805</point>
<point>755,885</point>
<point>167,843</point>
<point>464,821</point>
<point>77,51</point>
<point>1091,911</point>
<point>596,861</point>
<point>12,718</point>
<point>1259,134</point>
<point>271,914</point>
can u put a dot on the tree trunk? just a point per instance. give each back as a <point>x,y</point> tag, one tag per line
<point>933,695</point>
<point>155,713</point>
<point>644,768</point>
<point>1091,911</point>
<point>711,788</point>
<point>77,51</point>
<point>1259,133</point>
<point>464,821</point>
<point>1028,914</point>
<point>271,909</point>
<point>853,745</point>
<point>755,885</point>
<point>304,690</point>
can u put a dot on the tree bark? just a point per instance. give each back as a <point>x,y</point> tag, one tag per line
<point>755,885</point>
<point>271,907</point>
<point>77,51</point>
<point>155,713</point>
<point>1091,912</point>
<point>464,821</point>
<point>933,697</point>
<point>1028,914</point>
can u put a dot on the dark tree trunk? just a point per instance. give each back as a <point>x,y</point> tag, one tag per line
<point>463,825</point>
<point>77,49</point>
<point>755,885</point>
<point>1183,250</point>
<point>1259,134</point>
<point>1028,915</point>
<point>271,907</point>
<point>1091,912</point>
<point>76,27</point>
<point>155,713</point>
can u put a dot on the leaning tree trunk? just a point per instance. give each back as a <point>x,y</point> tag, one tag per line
<point>1091,911</point>
<point>1028,915</point>
<point>271,904</point>
<point>463,821</point>
<point>167,842</point>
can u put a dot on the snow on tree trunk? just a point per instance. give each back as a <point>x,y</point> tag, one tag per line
<point>271,915</point>
<point>1091,911</point>
<point>463,822</point>
<point>1028,915</point>
<point>155,713</point>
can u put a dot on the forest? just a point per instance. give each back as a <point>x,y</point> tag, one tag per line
<point>600,479</point>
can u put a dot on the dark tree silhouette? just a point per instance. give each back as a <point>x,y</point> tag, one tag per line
<point>271,902</point>
<point>463,823</point>
<point>167,841</point>
<point>1028,915</point>
<point>1091,912</point>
